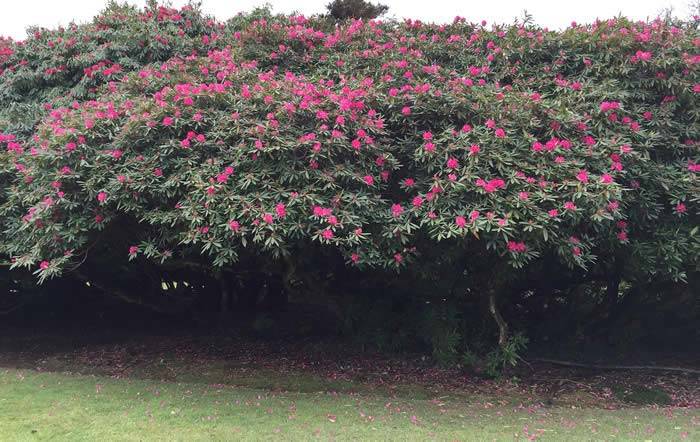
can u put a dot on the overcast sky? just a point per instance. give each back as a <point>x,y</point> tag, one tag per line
<point>18,14</point>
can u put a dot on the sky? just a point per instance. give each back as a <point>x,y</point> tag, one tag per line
<point>17,15</point>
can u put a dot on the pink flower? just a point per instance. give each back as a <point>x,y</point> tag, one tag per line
<point>552,213</point>
<point>681,208</point>
<point>582,176</point>
<point>606,179</point>
<point>43,265</point>
<point>133,250</point>
<point>606,106</point>
<point>576,251</point>
<point>102,197</point>
<point>460,221</point>
<point>406,110</point>
<point>500,133</point>
<point>396,210</point>
<point>355,258</point>
<point>167,121</point>
<point>327,234</point>
<point>491,185</point>
<point>369,180</point>
<point>409,182</point>
<point>452,163</point>
<point>517,247</point>
<point>321,211</point>
<point>281,210</point>
<point>417,201</point>
<point>234,225</point>
<point>429,147</point>
<point>427,136</point>
<point>569,205</point>
<point>622,236</point>
<point>398,258</point>
<point>474,149</point>
<point>473,215</point>
<point>641,56</point>
<point>267,218</point>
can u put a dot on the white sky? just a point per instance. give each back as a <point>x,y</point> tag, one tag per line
<point>18,14</point>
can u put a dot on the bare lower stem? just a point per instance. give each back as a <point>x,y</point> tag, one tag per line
<point>502,325</point>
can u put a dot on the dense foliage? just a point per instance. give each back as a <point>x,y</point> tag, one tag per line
<point>496,163</point>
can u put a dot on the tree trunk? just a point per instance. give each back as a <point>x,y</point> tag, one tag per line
<point>225,302</point>
<point>502,325</point>
<point>224,299</point>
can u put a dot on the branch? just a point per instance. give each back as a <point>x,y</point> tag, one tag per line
<point>617,367</point>
<point>117,293</point>
<point>13,308</point>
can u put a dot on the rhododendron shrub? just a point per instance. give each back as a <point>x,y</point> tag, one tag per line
<point>457,152</point>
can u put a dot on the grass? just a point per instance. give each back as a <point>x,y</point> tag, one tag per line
<point>41,405</point>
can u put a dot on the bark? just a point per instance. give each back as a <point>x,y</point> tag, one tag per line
<point>500,322</point>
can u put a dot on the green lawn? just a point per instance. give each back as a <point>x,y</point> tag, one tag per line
<point>62,406</point>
